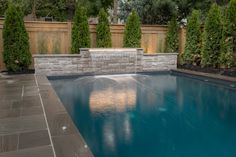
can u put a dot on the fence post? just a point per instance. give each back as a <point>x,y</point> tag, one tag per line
<point>181,40</point>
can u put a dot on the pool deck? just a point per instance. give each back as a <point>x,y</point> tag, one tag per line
<point>34,122</point>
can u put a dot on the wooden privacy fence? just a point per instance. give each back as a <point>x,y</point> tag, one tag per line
<point>55,37</point>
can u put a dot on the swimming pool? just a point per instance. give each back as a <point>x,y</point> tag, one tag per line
<point>158,115</point>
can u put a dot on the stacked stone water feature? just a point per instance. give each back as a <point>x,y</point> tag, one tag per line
<point>107,61</point>
<point>90,61</point>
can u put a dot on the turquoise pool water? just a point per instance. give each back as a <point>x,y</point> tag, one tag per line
<point>162,115</point>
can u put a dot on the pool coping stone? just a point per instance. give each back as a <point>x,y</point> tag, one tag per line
<point>66,138</point>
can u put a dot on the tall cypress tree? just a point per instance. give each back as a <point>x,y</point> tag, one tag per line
<point>84,34</point>
<point>212,38</point>
<point>103,37</point>
<point>172,38</point>
<point>132,34</point>
<point>192,49</point>
<point>80,31</point>
<point>228,39</point>
<point>16,54</point>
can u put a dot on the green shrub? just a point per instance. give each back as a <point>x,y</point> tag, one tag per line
<point>212,38</point>
<point>103,37</point>
<point>228,39</point>
<point>80,31</point>
<point>172,38</point>
<point>231,16</point>
<point>132,34</point>
<point>192,49</point>
<point>16,54</point>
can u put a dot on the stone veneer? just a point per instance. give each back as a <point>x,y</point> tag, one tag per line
<point>104,61</point>
<point>159,62</point>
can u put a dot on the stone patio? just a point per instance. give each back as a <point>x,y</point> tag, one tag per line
<point>23,129</point>
<point>33,122</point>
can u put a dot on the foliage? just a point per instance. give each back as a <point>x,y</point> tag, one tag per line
<point>80,31</point>
<point>231,17</point>
<point>192,50</point>
<point>23,4</point>
<point>93,6</point>
<point>172,38</point>
<point>103,36</point>
<point>149,11</point>
<point>84,34</point>
<point>161,11</point>
<point>228,39</point>
<point>212,38</point>
<point>132,34</point>
<point>51,8</point>
<point>62,10</point>
<point>16,52</point>
<point>3,7</point>
<point>58,9</point>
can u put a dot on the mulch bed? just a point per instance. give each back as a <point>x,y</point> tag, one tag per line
<point>226,72</point>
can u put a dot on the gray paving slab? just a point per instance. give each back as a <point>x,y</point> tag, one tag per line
<point>22,124</point>
<point>33,139</point>
<point>45,151</point>
<point>8,143</point>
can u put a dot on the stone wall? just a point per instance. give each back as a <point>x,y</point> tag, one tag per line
<point>103,61</point>
<point>159,62</point>
<point>58,64</point>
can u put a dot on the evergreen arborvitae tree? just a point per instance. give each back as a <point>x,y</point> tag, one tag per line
<point>228,39</point>
<point>172,38</point>
<point>103,37</point>
<point>80,31</point>
<point>84,34</point>
<point>132,34</point>
<point>212,38</point>
<point>16,54</point>
<point>193,43</point>
<point>75,32</point>
<point>231,16</point>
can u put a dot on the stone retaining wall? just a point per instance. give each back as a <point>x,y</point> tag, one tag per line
<point>103,61</point>
<point>159,61</point>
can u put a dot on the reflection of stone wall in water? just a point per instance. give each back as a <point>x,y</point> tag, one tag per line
<point>117,93</point>
<point>119,100</point>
